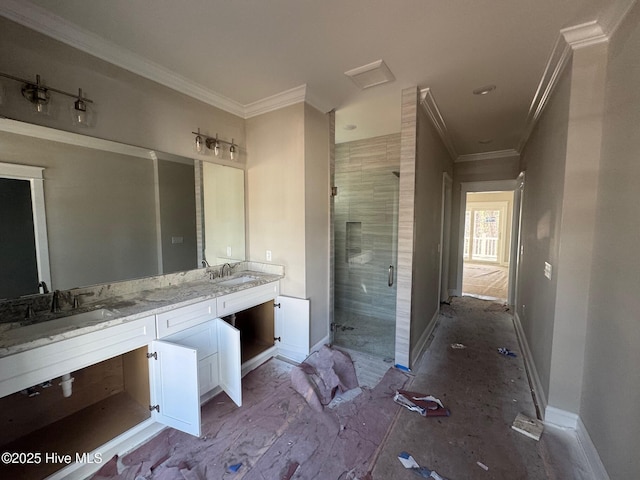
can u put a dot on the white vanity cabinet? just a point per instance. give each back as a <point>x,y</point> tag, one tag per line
<point>195,353</point>
<point>30,367</point>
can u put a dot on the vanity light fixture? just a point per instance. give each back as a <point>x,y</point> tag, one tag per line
<point>40,95</point>
<point>215,144</point>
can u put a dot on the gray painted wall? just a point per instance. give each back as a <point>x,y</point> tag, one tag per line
<point>580,200</point>
<point>611,386</point>
<point>288,202</point>
<point>432,160</point>
<point>543,160</point>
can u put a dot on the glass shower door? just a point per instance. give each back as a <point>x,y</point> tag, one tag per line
<point>366,233</point>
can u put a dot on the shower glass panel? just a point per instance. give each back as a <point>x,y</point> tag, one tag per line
<point>366,233</point>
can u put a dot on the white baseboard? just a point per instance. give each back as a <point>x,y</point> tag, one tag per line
<point>573,422</point>
<point>541,398</point>
<point>589,449</point>
<point>424,338</point>
<point>561,418</point>
<point>325,341</point>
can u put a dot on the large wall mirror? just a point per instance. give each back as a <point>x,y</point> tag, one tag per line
<point>113,212</point>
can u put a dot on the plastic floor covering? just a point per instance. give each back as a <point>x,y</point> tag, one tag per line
<point>274,435</point>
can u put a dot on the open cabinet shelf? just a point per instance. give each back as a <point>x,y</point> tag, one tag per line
<point>256,326</point>
<point>95,419</point>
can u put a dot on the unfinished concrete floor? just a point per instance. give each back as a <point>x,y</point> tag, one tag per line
<point>484,391</point>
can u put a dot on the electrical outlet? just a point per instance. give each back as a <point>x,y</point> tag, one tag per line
<point>548,269</point>
<point>175,240</point>
<point>268,255</point>
<point>228,251</point>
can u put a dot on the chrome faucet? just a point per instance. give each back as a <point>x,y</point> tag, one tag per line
<point>228,270</point>
<point>55,302</point>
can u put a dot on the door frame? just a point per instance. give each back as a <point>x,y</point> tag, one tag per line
<point>476,187</point>
<point>35,177</point>
<point>515,258</point>
<point>445,237</point>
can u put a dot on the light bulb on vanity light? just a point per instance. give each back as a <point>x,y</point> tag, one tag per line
<point>199,144</point>
<point>79,111</point>
<point>232,150</point>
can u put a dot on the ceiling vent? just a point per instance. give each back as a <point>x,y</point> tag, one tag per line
<point>375,73</point>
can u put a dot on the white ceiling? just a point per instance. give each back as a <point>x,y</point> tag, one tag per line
<point>244,51</point>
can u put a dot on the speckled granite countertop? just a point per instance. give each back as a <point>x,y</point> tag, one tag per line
<point>121,302</point>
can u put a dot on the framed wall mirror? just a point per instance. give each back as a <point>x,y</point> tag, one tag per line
<point>113,212</point>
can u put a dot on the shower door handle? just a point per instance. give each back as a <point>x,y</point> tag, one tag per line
<point>391,275</point>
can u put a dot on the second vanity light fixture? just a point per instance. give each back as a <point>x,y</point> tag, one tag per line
<point>40,95</point>
<point>202,142</point>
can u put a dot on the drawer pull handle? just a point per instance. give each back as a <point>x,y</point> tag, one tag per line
<point>153,355</point>
<point>277,338</point>
<point>276,305</point>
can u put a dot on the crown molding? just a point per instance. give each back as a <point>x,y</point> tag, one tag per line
<point>584,35</point>
<point>41,20</point>
<point>431,107</point>
<point>275,102</point>
<point>472,157</point>
<point>555,65</point>
<point>569,39</point>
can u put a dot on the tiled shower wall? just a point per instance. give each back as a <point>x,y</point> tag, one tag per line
<point>365,223</point>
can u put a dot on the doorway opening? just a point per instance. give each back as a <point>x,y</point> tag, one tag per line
<point>486,254</point>
<point>365,224</point>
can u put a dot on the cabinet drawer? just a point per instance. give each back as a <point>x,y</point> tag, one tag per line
<point>176,320</point>
<point>203,338</point>
<point>237,301</point>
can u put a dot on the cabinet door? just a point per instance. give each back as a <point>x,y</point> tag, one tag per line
<point>174,386</point>
<point>292,326</point>
<point>229,361</point>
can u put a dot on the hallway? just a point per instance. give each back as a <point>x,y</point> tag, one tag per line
<point>484,391</point>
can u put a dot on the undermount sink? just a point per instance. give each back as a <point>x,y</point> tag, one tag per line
<point>97,315</point>
<point>237,280</point>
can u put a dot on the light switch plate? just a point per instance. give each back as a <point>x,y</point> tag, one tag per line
<point>548,269</point>
<point>268,255</point>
